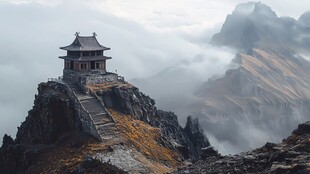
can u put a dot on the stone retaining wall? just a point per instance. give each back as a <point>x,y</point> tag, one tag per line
<point>91,77</point>
<point>85,118</point>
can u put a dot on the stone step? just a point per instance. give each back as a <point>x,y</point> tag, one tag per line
<point>93,105</point>
<point>91,100</point>
<point>106,137</point>
<point>100,117</point>
<point>95,110</point>
<point>106,129</point>
<point>85,97</point>
<point>102,121</point>
<point>100,114</point>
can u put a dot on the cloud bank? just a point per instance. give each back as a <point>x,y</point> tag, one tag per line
<point>146,38</point>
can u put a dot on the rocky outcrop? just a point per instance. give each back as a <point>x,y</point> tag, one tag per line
<point>266,92</point>
<point>90,165</point>
<point>53,132</point>
<point>188,140</point>
<point>254,24</point>
<point>197,139</point>
<point>129,100</point>
<point>52,115</point>
<point>290,156</point>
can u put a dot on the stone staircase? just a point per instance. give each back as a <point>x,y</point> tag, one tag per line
<point>103,121</point>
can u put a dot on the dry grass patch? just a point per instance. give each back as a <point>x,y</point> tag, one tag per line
<point>145,139</point>
<point>65,158</point>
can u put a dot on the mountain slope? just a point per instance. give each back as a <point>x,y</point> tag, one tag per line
<point>254,24</point>
<point>267,94</point>
<point>264,93</point>
<point>256,101</point>
<point>145,140</point>
<point>290,156</point>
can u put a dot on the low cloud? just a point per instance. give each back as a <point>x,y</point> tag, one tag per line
<point>173,88</point>
<point>31,37</point>
<point>148,39</point>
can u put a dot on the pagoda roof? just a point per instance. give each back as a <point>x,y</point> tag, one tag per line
<point>85,58</point>
<point>85,43</point>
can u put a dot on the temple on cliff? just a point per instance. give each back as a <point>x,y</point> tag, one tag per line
<point>85,62</point>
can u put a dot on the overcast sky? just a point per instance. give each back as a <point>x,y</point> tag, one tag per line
<point>145,36</point>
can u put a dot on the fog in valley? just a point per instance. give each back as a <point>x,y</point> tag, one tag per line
<point>162,47</point>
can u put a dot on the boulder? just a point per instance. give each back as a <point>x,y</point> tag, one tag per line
<point>208,152</point>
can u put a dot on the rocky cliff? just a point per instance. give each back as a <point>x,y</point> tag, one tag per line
<point>146,140</point>
<point>290,156</point>
<point>261,100</point>
<point>266,93</point>
<point>132,102</point>
<point>261,95</point>
<point>255,24</point>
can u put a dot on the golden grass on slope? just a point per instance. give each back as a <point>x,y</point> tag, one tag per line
<point>145,139</point>
<point>107,85</point>
<point>65,158</point>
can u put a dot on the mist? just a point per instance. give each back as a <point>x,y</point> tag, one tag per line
<point>32,33</point>
<point>161,47</point>
<point>173,88</point>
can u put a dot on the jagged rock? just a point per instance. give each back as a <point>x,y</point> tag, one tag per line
<point>129,100</point>
<point>303,128</point>
<point>281,168</point>
<point>208,152</point>
<point>51,116</point>
<point>90,165</point>
<point>290,156</point>
<point>197,138</point>
<point>53,125</point>
<point>269,146</point>
<point>7,141</point>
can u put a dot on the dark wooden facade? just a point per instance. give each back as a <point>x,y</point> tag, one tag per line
<point>85,54</point>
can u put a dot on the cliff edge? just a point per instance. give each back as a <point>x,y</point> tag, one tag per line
<point>290,156</point>
<point>53,139</point>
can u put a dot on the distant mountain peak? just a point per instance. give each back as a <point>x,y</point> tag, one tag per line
<point>254,8</point>
<point>305,18</point>
<point>256,25</point>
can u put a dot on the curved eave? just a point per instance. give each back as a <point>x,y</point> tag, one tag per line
<point>67,48</point>
<point>85,59</point>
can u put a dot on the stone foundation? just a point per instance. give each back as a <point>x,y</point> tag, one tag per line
<point>90,77</point>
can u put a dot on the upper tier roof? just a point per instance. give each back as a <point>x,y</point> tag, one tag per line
<point>85,43</point>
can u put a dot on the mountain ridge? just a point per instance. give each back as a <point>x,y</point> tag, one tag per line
<point>260,27</point>
<point>267,79</point>
<point>289,156</point>
<point>145,140</point>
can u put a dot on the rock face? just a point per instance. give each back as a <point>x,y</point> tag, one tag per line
<point>188,140</point>
<point>197,139</point>
<point>52,115</point>
<point>52,132</point>
<point>254,24</point>
<point>261,97</point>
<point>266,94</point>
<point>290,156</point>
